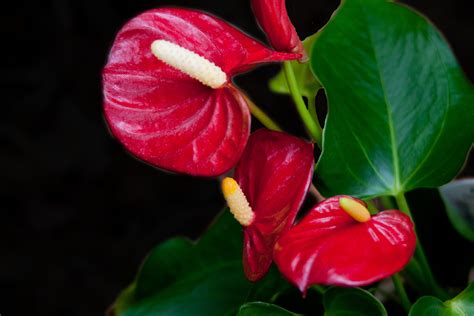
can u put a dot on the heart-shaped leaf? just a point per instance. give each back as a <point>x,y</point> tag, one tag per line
<point>307,83</point>
<point>400,108</point>
<point>263,309</point>
<point>351,302</point>
<point>463,304</point>
<point>458,196</point>
<point>204,278</point>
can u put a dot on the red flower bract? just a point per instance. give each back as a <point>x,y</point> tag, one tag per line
<point>274,173</point>
<point>329,247</point>
<point>165,117</point>
<point>273,18</point>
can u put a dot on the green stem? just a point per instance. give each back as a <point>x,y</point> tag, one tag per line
<point>312,107</point>
<point>420,254</point>
<point>371,207</point>
<point>402,294</point>
<point>313,128</point>
<point>262,116</point>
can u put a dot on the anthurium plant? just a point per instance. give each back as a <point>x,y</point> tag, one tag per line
<point>400,117</point>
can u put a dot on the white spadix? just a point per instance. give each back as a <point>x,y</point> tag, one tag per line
<point>192,64</point>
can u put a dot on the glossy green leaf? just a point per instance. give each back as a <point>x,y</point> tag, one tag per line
<point>400,108</point>
<point>458,196</point>
<point>263,309</point>
<point>307,83</point>
<point>429,306</point>
<point>461,305</point>
<point>351,302</point>
<point>180,277</point>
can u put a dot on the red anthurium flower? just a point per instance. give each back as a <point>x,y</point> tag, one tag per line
<point>271,181</point>
<point>339,243</point>
<point>274,20</point>
<point>168,95</point>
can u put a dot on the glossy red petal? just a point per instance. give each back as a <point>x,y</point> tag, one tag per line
<point>273,18</point>
<point>165,117</point>
<point>329,247</point>
<point>274,173</point>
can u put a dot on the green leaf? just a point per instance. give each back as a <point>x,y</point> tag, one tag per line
<point>400,108</point>
<point>463,304</point>
<point>458,196</point>
<point>270,287</point>
<point>180,277</point>
<point>416,277</point>
<point>263,309</point>
<point>307,83</point>
<point>351,302</point>
<point>429,306</point>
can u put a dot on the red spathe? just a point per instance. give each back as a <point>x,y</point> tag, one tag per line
<point>274,173</point>
<point>329,247</point>
<point>163,116</point>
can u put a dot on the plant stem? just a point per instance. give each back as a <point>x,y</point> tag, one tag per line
<point>420,254</point>
<point>312,127</point>
<point>262,116</point>
<point>312,107</point>
<point>402,294</point>
<point>371,207</point>
<point>317,195</point>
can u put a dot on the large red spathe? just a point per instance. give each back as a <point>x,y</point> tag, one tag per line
<point>273,18</point>
<point>329,247</point>
<point>163,116</point>
<point>274,173</point>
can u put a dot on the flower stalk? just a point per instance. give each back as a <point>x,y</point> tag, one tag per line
<point>420,254</point>
<point>312,127</point>
<point>261,116</point>
<point>402,294</point>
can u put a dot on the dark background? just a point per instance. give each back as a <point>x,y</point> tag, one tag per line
<point>77,213</point>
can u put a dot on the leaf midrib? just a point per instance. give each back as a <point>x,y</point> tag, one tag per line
<point>396,168</point>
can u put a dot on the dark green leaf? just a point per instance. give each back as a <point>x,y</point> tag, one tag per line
<point>178,257</point>
<point>307,83</point>
<point>263,309</point>
<point>463,304</point>
<point>458,196</point>
<point>415,276</point>
<point>351,302</point>
<point>400,109</point>
<point>217,290</point>
<point>184,278</point>
<point>428,306</point>
<point>270,287</point>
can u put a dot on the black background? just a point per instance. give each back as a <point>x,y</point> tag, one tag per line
<point>77,213</point>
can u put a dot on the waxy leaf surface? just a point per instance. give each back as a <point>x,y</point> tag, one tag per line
<point>351,302</point>
<point>165,117</point>
<point>458,196</point>
<point>463,304</point>
<point>329,247</point>
<point>180,277</point>
<point>274,173</point>
<point>400,109</point>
